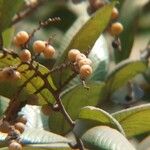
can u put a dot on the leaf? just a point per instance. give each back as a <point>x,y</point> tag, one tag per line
<point>123,73</point>
<point>129,20</point>
<point>84,39</point>
<point>134,120</point>
<point>35,136</point>
<point>73,100</point>
<point>6,13</point>
<point>44,96</point>
<point>7,37</point>
<point>103,137</point>
<point>3,105</point>
<point>90,116</point>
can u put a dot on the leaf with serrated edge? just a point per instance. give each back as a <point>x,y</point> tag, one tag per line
<point>103,137</point>
<point>134,120</point>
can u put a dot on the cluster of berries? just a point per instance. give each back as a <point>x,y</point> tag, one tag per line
<point>81,62</point>
<point>14,131</point>
<point>39,47</point>
<point>116,27</point>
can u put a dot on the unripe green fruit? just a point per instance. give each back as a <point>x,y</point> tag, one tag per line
<point>49,51</point>
<point>116,28</point>
<point>39,46</point>
<point>15,146</point>
<point>21,38</point>
<point>25,55</point>
<point>20,126</point>
<point>85,61</point>
<point>85,71</point>
<point>72,54</point>
<point>80,57</point>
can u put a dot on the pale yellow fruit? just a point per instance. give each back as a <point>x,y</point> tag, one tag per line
<point>72,54</point>
<point>85,71</point>
<point>21,38</point>
<point>85,61</point>
<point>25,55</point>
<point>80,57</point>
<point>20,126</point>
<point>116,28</point>
<point>115,13</point>
<point>39,46</point>
<point>15,146</point>
<point>49,51</point>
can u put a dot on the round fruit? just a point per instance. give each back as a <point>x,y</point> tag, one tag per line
<point>72,54</point>
<point>85,61</point>
<point>85,71</point>
<point>20,126</point>
<point>116,28</point>
<point>46,109</point>
<point>49,51</point>
<point>15,146</point>
<point>25,55</point>
<point>80,57</point>
<point>16,75</point>
<point>21,38</point>
<point>22,119</point>
<point>9,73</point>
<point>39,46</point>
<point>115,13</point>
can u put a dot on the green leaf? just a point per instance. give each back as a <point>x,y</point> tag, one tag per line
<point>35,136</point>
<point>85,38</point>
<point>129,20</point>
<point>134,120</point>
<point>7,37</point>
<point>105,138</point>
<point>123,73</point>
<point>44,96</point>
<point>8,8</point>
<point>73,100</point>
<point>90,116</point>
<point>3,104</point>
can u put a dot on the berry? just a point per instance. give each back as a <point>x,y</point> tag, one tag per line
<point>16,75</point>
<point>85,71</point>
<point>80,57</point>
<point>49,51</point>
<point>22,119</point>
<point>39,46</point>
<point>9,73</point>
<point>116,28</point>
<point>15,146</point>
<point>46,109</point>
<point>20,126</point>
<point>72,54</point>
<point>21,38</point>
<point>115,13</point>
<point>85,61</point>
<point>25,55</point>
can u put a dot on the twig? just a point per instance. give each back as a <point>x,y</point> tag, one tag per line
<point>24,14</point>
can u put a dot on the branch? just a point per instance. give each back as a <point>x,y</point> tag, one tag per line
<point>26,13</point>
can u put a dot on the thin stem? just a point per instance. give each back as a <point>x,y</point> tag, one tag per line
<point>1,42</point>
<point>24,14</point>
<point>63,110</point>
